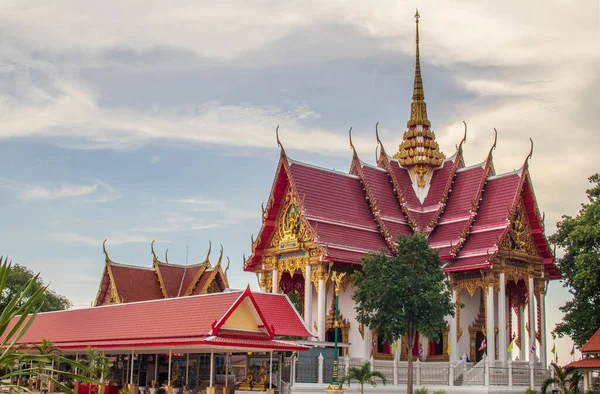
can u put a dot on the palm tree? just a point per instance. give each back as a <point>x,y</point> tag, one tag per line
<point>563,378</point>
<point>363,375</point>
<point>97,364</point>
<point>47,348</point>
<point>574,380</point>
<point>15,319</point>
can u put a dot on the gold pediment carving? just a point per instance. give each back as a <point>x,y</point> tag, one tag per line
<point>290,230</point>
<point>519,234</point>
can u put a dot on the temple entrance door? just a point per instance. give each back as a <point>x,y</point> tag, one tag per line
<point>479,337</point>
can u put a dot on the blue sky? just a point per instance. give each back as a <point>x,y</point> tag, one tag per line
<point>142,120</point>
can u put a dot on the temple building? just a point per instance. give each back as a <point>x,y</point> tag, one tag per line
<point>127,283</point>
<point>486,226</point>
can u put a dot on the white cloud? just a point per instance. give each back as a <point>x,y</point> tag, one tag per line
<point>112,239</point>
<point>37,192</point>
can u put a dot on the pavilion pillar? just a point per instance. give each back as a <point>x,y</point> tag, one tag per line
<point>275,286</point>
<point>131,373</point>
<point>321,309</point>
<point>307,297</point>
<point>212,367</point>
<point>156,369</point>
<point>502,346</point>
<point>531,307</point>
<point>271,371</point>
<point>522,333</point>
<point>452,334</point>
<point>543,350</point>
<point>169,373</point>
<point>227,355</point>
<point>187,370</point>
<point>489,327</point>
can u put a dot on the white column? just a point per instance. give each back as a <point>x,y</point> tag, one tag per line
<point>522,333</point>
<point>169,373</point>
<point>131,362</point>
<point>320,373</point>
<point>543,350</point>
<point>489,326</point>
<point>321,309</point>
<point>187,370</point>
<point>368,343</point>
<point>275,288</point>
<point>156,369</point>
<point>212,367</point>
<point>531,307</point>
<point>308,297</point>
<point>271,370</point>
<point>452,335</point>
<point>502,345</point>
<point>227,369</point>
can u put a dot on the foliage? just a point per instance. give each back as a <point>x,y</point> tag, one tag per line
<point>563,378</point>
<point>403,294</point>
<point>18,277</point>
<point>15,319</point>
<point>296,300</point>
<point>363,375</point>
<point>439,392</point>
<point>97,364</point>
<point>124,390</point>
<point>161,390</point>
<point>529,390</point>
<point>580,268</point>
<point>422,390</point>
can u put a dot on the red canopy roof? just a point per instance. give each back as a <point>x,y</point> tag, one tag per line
<point>585,363</point>
<point>593,345</point>
<point>184,321</point>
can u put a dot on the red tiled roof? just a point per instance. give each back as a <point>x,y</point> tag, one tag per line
<point>447,232</point>
<point>593,345</point>
<point>343,202</point>
<point>352,237</point>
<point>383,190</point>
<point>586,363</point>
<point>464,191</point>
<point>467,263</point>
<point>135,283</point>
<point>188,319</point>
<point>497,200</point>
<point>190,275</point>
<point>438,183</point>
<point>172,276</point>
<point>405,183</point>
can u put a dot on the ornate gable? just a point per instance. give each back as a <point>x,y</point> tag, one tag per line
<point>519,237</point>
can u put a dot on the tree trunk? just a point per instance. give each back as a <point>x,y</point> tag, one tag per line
<point>361,388</point>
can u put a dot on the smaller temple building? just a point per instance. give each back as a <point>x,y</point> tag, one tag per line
<point>123,283</point>
<point>589,363</point>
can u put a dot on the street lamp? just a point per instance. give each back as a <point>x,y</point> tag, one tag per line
<point>335,387</point>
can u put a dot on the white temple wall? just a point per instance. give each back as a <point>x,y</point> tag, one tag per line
<point>468,314</point>
<point>356,349</point>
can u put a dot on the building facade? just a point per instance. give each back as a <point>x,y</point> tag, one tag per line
<point>486,226</point>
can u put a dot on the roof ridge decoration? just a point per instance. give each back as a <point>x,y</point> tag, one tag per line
<point>112,286</point>
<point>156,266</point>
<point>204,266</point>
<point>419,148</point>
<point>458,160</point>
<point>279,144</point>
<point>167,256</point>
<point>106,258</point>
<point>371,200</point>
<point>476,203</point>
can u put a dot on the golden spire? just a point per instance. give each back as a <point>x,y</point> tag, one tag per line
<point>418,147</point>
<point>418,109</point>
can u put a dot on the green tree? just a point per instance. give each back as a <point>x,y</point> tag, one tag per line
<point>363,375</point>
<point>580,268</point>
<point>16,317</point>
<point>97,364</point>
<point>563,378</point>
<point>403,294</point>
<point>18,277</point>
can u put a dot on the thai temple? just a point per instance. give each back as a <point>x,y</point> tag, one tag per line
<point>486,226</point>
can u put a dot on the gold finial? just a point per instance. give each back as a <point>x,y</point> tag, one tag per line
<point>207,259</point>
<point>351,144</point>
<point>337,278</point>
<point>418,113</point>
<point>154,258</point>
<point>220,257</point>
<point>167,256</point>
<point>227,268</point>
<point>106,258</point>
<point>279,144</point>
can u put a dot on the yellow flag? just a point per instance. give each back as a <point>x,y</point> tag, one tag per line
<point>395,346</point>
<point>448,348</point>
<point>510,346</point>
<point>553,351</point>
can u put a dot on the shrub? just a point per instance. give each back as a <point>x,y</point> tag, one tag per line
<point>530,391</point>
<point>422,390</point>
<point>439,392</point>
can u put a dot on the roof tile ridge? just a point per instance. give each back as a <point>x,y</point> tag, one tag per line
<point>112,263</point>
<point>349,248</point>
<point>475,204</point>
<point>342,224</point>
<point>371,200</point>
<point>536,211</point>
<point>204,266</point>
<point>104,275</point>
<point>445,192</point>
<point>161,282</point>
<point>300,163</point>
<point>385,161</point>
